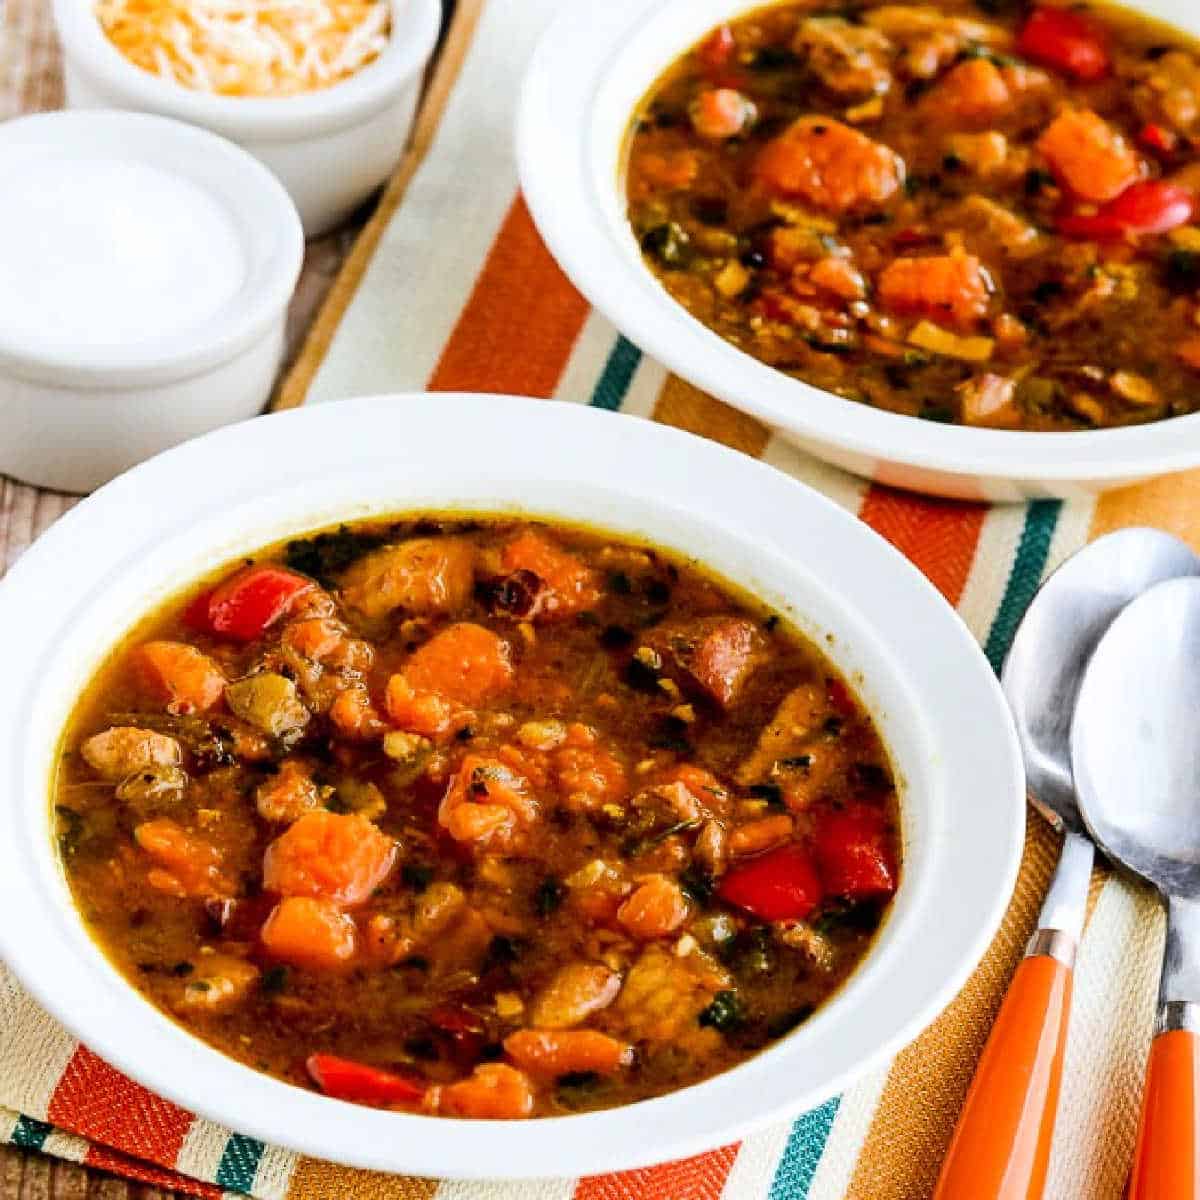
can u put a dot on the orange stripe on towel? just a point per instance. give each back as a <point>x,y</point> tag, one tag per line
<point>938,536</point>
<point>517,329</point>
<point>104,1159</point>
<point>699,1178</point>
<point>97,1102</point>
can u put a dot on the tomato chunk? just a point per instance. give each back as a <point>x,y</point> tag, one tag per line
<point>1152,206</point>
<point>1059,38</point>
<point>345,1079</point>
<point>1088,155</point>
<point>335,856</point>
<point>853,853</point>
<point>310,933</point>
<point>495,1092</point>
<point>781,885</point>
<point>246,604</point>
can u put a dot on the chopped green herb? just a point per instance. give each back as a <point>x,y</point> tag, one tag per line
<point>549,896</point>
<point>417,876</point>
<point>274,980</point>
<point>182,969</point>
<point>772,793</point>
<point>724,1013</point>
<point>327,555</point>
<point>578,1079</point>
<point>783,1023</point>
<point>70,829</point>
<point>668,243</point>
<point>697,884</point>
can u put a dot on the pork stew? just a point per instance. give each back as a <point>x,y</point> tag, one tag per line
<point>478,818</point>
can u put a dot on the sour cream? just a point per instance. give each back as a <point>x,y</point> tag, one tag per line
<point>103,251</point>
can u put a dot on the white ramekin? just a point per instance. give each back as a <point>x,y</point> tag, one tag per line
<point>331,149</point>
<point>938,705</point>
<point>72,417</point>
<point>590,71</point>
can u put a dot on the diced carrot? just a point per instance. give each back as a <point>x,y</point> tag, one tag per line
<point>465,663</point>
<point>950,288</point>
<point>494,1092</point>
<point>560,1052</point>
<point>571,581</point>
<point>315,638</point>
<point>668,172</point>
<point>759,835</point>
<point>334,856</point>
<point>188,680</point>
<point>838,275</point>
<point>353,715</point>
<point>311,933</point>
<point>974,90</point>
<point>654,909</point>
<point>289,794</point>
<point>830,165</point>
<point>186,864</point>
<point>1188,351</point>
<point>704,785</point>
<point>721,113</point>
<point>485,802</point>
<point>1088,155</point>
<point>415,711</point>
<point>588,777</point>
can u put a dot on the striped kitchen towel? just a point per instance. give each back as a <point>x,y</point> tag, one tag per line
<point>450,288</point>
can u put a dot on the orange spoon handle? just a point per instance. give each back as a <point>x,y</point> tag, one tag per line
<point>1166,1165</point>
<point>1002,1142</point>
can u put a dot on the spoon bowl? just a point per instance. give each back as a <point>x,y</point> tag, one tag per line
<point>1135,749</point>
<point>1136,738</point>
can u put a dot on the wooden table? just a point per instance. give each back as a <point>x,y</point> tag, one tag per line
<point>31,81</point>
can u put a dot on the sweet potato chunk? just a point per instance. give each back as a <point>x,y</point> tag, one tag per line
<point>288,795</point>
<point>830,165</point>
<point>332,856</point>
<point>486,803</point>
<point>310,932</point>
<point>1088,155</point>
<point>951,288</point>
<point>465,663</point>
<point>185,864</point>
<point>186,679</point>
<point>715,655</point>
<point>424,575</point>
<point>974,90</point>
<point>559,1052</point>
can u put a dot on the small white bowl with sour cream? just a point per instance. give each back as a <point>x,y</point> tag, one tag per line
<point>145,272</point>
<point>330,147</point>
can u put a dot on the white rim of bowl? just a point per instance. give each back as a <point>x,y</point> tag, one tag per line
<point>959,736</point>
<point>561,152</point>
<point>266,220</point>
<point>414,32</point>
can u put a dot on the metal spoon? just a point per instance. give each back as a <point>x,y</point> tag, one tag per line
<point>1135,744</point>
<point>1001,1145</point>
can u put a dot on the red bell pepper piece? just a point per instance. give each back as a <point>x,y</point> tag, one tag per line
<point>345,1079</point>
<point>1059,38</point>
<point>1158,138</point>
<point>854,853</point>
<point>840,697</point>
<point>243,606</point>
<point>717,48</point>
<point>1151,206</point>
<point>781,885</point>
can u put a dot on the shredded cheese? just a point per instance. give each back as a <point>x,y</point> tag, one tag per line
<point>248,47</point>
